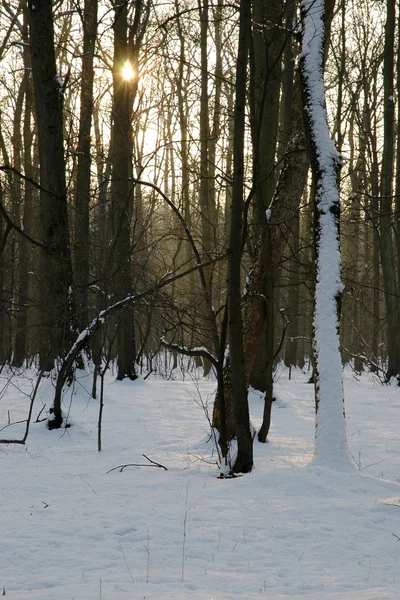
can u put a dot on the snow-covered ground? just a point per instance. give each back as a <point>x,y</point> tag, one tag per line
<point>71,530</point>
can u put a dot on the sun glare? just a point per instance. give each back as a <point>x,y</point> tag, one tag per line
<point>127,71</point>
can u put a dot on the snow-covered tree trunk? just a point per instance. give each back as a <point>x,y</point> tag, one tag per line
<point>330,443</point>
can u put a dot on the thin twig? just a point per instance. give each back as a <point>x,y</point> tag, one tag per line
<point>127,566</point>
<point>88,484</point>
<point>155,463</point>
<point>28,420</point>
<point>9,424</point>
<point>40,412</point>
<point>184,532</point>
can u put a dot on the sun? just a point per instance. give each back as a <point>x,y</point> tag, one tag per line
<point>127,71</point>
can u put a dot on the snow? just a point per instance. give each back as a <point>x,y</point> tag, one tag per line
<point>331,442</point>
<point>60,84</point>
<point>289,530</point>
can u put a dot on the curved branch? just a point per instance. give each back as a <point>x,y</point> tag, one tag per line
<point>87,334</point>
<point>28,420</point>
<point>190,351</point>
<point>283,335</point>
<point>10,223</point>
<point>196,253</point>
<point>10,169</point>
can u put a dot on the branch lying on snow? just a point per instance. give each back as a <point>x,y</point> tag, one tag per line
<point>153,464</point>
<point>190,351</point>
<point>12,424</point>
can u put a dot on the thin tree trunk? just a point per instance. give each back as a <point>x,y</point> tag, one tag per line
<point>20,352</point>
<point>83,175</point>
<point>206,210</point>
<point>293,308</point>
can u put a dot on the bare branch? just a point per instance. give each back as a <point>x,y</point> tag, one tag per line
<point>28,420</point>
<point>153,464</point>
<point>86,335</point>
<point>190,351</point>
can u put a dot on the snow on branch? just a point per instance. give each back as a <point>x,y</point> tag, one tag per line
<point>201,352</point>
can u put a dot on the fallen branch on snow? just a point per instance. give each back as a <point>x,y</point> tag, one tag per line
<point>153,464</point>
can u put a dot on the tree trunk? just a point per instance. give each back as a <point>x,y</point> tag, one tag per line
<point>25,260</point>
<point>122,194</point>
<point>82,199</point>
<point>388,260</point>
<point>268,43</point>
<point>206,210</point>
<point>244,459</point>
<point>289,190</point>
<point>56,272</point>
<point>330,428</point>
<point>293,304</point>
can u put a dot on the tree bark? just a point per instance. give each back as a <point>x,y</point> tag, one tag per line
<point>241,417</point>
<point>268,44</point>
<point>122,193</point>
<point>83,175</point>
<point>289,190</point>
<point>25,259</point>
<point>388,260</point>
<point>56,271</point>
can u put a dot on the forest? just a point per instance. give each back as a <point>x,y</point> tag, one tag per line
<point>202,181</point>
<point>199,299</point>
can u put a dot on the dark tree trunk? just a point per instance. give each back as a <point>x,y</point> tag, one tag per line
<point>268,45</point>
<point>293,305</point>
<point>388,259</point>
<point>56,272</point>
<point>82,200</point>
<point>122,193</point>
<point>288,192</point>
<point>241,418</point>
<point>25,259</point>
